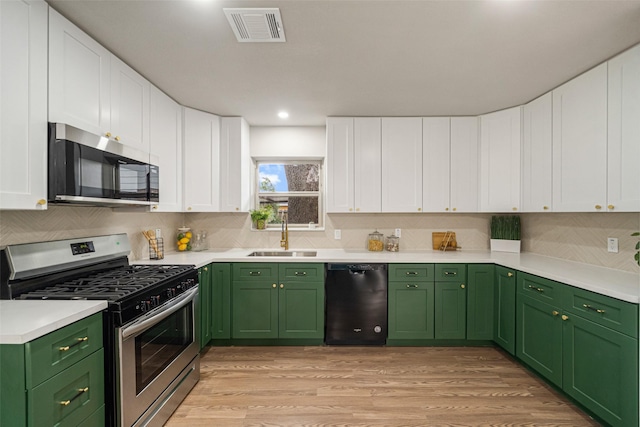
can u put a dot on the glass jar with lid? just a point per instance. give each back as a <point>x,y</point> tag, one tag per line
<point>375,241</point>
<point>392,243</point>
<point>183,239</point>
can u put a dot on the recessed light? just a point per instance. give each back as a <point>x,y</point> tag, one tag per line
<point>283,114</point>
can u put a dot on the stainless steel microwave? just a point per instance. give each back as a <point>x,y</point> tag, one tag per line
<point>89,169</point>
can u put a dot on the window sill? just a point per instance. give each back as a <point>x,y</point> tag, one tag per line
<point>296,229</point>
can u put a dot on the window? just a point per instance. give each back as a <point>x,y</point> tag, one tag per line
<point>293,187</point>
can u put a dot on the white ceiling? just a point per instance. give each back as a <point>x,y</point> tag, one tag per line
<point>360,58</point>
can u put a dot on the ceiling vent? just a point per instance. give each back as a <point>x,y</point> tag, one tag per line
<point>256,24</point>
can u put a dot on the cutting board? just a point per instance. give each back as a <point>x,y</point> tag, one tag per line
<point>437,238</point>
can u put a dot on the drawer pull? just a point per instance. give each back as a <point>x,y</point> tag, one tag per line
<point>509,274</point>
<point>450,273</point>
<point>536,289</point>
<point>412,273</point>
<point>412,286</point>
<point>597,310</point>
<point>78,341</point>
<point>301,273</point>
<point>81,391</point>
<point>255,273</point>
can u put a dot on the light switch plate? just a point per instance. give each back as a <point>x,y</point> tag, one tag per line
<point>398,231</point>
<point>337,234</point>
<point>612,244</point>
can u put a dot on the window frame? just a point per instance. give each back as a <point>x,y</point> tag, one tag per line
<point>319,226</point>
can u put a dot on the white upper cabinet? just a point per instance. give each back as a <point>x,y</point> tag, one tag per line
<point>129,106</point>
<point>340,163</point>
<point>436,169</point>
<point>79,77</point>
<point>402,164</point>
<point>354,171</point>
<point>201,152</point>
<point>624,132</point>
<point>93,90</point>
<point>537,154</point>
<point>580,143</point>
<point>165,116</point>
<point>500,161</point>
<point>367,164</point>
<point>23,105</point>
<point>464,162</point>
<point>235,165</point>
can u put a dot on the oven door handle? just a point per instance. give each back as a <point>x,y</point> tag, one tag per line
<point>155,317</point>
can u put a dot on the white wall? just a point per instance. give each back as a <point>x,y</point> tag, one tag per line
<point>288,142</point>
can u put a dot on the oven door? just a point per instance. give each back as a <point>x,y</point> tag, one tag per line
<point>158,361</point>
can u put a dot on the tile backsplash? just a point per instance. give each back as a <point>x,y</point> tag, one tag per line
<point>579,237</point>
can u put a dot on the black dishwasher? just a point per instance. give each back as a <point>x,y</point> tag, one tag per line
<point>356,304</point>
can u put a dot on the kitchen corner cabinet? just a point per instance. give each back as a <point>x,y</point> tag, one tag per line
<point>165,132</point>
<point>411,302</point>
<point>278,301</point>
<point>354,164</point>
<point>57,379</point>
<point>23,105</point>
<point>500,161</point>
<point>451,301</point>
<point>401,164</point>
<point>215,302</point>
<point>480,301</point>
<point>504,330</point>
<point>235,165</point>
<point>201,151</point>
<point>537,155</point>
<point>580,143</point>
<point>623,128</point>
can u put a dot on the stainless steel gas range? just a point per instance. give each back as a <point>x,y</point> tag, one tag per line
<point>152,355</point>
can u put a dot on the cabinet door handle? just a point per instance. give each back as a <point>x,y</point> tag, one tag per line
<point>300,273</point>
<point>78,341</point>
<point>412,273</point>
<point>462,286</point>
<point>597,310</point>
<point>81,391</point>
<point>255,273</point>
<point>412,286</point>
<point>206,269</point>
<point>509,274</point>
<point>565,317</point>
<point>536,289</point>
<point>598,207</point>
<point>281,286</point>
<point>450,273</point>
<point>555,313</point>
<point>610,207</point>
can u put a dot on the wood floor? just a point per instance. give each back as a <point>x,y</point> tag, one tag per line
<point>370,386</point>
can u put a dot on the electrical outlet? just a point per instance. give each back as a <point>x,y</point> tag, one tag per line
<point>337,234</point>
<point>398,231</point>
<point>158,233</point>
<point>612,244</point>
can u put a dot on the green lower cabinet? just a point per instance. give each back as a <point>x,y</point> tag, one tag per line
<point>450,310</point>
<point>286,301</point>
<point>480,304</point>
<point>539,327</point>
<point>221,301</point>
<point>504,331</point>
<point>203,326</point>
<point>411,311</point>
<point>600,370</point>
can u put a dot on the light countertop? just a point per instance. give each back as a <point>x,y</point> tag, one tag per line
<point>614,283</point>
<point>22,321</point>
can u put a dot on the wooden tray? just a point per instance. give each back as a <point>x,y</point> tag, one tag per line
<point>438,238</point>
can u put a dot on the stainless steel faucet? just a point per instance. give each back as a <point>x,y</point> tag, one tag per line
<point>284,238</point>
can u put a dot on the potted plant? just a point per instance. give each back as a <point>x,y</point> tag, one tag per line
<point>505,233</point>
<point>260,216</point>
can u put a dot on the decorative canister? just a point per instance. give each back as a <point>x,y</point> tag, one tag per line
<point>392,243</point>
<point>375,242</point>
<point>184,239</point>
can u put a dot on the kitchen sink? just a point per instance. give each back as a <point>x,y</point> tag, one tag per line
<point>284,253</point>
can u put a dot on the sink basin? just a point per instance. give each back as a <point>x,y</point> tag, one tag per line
<point>284,253</point>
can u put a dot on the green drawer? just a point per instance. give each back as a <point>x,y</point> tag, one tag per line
<point>451,273</point>
<point>70,397</point>
<point>97,419</point>
<point>613,313</point>
<point>411,272</point>
<point>301,272</point>
<point>255,272</point>
<point>55,352</point>
<point>541,289</point>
